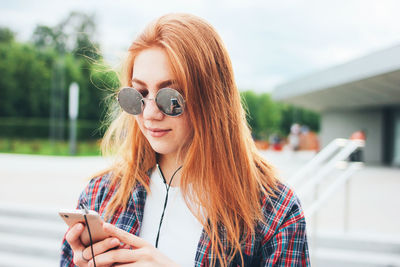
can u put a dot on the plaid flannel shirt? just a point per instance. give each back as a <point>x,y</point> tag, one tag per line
<point>280,241</point>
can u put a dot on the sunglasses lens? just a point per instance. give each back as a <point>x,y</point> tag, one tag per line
<point>130,100</point>
<point>170,102</point>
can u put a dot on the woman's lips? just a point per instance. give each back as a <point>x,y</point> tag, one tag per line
<point>155,132</point>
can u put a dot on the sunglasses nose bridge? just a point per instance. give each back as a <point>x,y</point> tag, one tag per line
<point>150,110</point>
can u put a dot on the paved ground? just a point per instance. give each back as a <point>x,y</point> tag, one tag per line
<point>56,182</point>
<point>46,181</point>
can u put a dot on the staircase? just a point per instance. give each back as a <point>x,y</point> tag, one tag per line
<point>30,236</point>
<point>349,250</point>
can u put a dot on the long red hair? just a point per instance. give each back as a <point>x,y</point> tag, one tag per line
<point>223,175</point>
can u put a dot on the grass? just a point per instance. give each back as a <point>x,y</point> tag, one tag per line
<point>47,147</point>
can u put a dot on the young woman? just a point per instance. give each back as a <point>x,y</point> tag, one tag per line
<point>189,187</point>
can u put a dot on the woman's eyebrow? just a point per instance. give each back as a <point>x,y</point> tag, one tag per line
<point>160,85</point>
<point>166,83</point>
<point>138,81</point>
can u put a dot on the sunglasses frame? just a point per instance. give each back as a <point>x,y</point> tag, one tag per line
<point>143,100</point>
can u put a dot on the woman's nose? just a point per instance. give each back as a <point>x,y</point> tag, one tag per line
<point>151,110</point>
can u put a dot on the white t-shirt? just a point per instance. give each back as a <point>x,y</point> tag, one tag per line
<point>180,230</point>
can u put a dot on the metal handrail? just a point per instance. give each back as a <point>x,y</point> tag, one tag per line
<point>339,181</point>
<point>334,155</point>
<point>322,156</point>
<point>323,172</point>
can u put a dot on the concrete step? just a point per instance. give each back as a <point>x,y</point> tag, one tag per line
<point>359,242</point>
<point>322,257</point>
<point>29,211</point>
<point>26,226</point>
<point>46,248</point>
<point>9,259</point>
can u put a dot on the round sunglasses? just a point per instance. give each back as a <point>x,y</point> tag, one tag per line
<point>168,100</point>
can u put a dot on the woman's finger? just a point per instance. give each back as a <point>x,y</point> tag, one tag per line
<point>124,236</point>
<point>73,237</point>
<point>121,256</point>
<point>100,247</point>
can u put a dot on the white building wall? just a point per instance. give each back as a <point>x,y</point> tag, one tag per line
<point>341,124</point>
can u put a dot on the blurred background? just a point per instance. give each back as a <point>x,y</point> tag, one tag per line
<point>320,81</point>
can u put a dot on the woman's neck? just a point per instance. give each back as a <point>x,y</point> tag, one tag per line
<point>169,165</point>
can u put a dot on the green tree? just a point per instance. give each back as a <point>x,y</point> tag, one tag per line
<point>263,114</point>
<point>75,34</point>
<point>45,37</point>
<point>266,117</point>
<point>73,39</point>
<point>6,35</point>
<point>292,114</point>
<point>99,81</point>
<point>24,80</point>
<point>249,102</point>
<point>35,76</point>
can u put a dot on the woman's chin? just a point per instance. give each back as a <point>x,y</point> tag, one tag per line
<point>163,150</point>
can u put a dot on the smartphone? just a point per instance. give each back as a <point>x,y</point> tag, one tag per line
<point>71,217</point>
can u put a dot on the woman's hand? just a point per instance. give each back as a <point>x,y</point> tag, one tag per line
<point>82,254</point>
<point>141,253</point>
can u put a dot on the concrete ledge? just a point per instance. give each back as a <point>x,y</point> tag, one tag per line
<point>29,211</point>
<point>358,242</point>
<point>30,246</point>
<point>8,259</point>
<point>343,258</point>
<point>32,227</point>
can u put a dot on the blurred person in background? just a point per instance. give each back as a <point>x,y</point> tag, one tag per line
<point>357,155</point>
<point>308,140</point>
<point>188,187</point>
<point>294,137</point>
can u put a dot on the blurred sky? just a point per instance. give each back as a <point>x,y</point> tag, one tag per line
<point>269,41</point>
